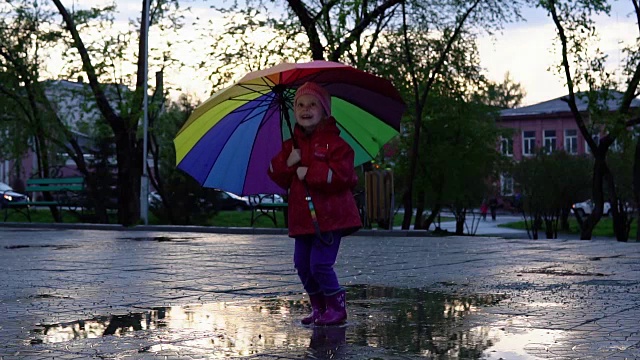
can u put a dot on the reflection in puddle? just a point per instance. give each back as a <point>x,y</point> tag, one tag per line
<point>515,341</point>
<point>402,321</point>
<point>417,321</point>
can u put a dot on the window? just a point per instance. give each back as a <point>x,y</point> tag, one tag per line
<point>528,142</point>
<point>506,184</point>
<point>506,146</point>
<point>4,171</point>
<point>549,141</point>
<point>571,141</point>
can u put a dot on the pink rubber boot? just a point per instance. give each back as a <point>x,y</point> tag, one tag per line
<point>336,312</point>
<point>317,308</point>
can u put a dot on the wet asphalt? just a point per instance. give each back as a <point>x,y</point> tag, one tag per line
<point>76,292</point>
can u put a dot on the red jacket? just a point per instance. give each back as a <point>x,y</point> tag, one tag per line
<point>330,179</point>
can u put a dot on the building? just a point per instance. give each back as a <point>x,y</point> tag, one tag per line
<point>74,104</point>
<point>549,125</point>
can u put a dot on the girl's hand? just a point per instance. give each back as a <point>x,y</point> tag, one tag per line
<point>302,172</point>
<point>294,157</point>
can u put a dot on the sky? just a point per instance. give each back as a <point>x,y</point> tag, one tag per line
<point>524,49</point>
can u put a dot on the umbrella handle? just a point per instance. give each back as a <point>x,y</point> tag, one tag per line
<point>285,113</point>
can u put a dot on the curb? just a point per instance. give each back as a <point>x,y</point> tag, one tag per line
<point>208,229</point>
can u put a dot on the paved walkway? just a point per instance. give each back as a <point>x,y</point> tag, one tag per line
<point>185,293</point>
<point>488,227</point>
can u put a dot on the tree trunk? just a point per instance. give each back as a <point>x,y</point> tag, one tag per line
<point>408,205</point>
<point>535,227</point>
<point>551,225</point>
<point>98,200</point>
<point>44,169</point>
<point>617,211</point>
<point>564,220</point>
<point>548,228</point>
<point>431,218</point>
<point>636,185</point>
<point>460,224</point>
<point>620,226</point>
<point>418,223</point>
<point>129,173</point>
<point>599,170</point>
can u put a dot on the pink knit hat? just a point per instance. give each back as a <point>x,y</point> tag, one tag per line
<point>311,88</point>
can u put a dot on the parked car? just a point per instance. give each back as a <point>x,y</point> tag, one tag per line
<point>154,199</point>
<point>266,199</point>
<point>8,195</point>
<point>230,201</point>
<point>224,201</point>
<point>586,208</point>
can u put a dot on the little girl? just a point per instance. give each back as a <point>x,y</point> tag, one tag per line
<point>318,166</point>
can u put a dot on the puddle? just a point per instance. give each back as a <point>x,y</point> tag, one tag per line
<point>560,272</point>
<point>158,238</point>
<point>54,247</point>
<point>48,296</point>
<point>411,322</point>
<point>517,343</point>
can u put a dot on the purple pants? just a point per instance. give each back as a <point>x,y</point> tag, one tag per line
<point>314,259</point>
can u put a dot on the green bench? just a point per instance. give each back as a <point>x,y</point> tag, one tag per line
<point>66,191</point>
<point>267,205</point>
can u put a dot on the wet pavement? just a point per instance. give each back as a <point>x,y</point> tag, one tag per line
<point>193,293</point>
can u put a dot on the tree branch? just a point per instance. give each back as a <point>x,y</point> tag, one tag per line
<point>445,52</point>
<point>571,100</point>
<point>355,33</point>
<point>309,24</point>
<point>87,66</point>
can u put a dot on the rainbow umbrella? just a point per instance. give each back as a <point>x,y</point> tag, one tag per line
<point>229,140</point>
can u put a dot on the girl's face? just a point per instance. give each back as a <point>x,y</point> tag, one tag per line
<point>308,112</point>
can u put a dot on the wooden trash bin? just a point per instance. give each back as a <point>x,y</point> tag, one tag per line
<point>379,199</point>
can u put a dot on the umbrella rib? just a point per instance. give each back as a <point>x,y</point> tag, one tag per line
<point>251,87</point>
<point>357,141</point>
<point>258,103</point>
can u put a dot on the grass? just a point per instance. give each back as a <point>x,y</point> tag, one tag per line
<point>221,219</point>
<point>40,215</point>
<point>604,228</point>
<point>243,219</point>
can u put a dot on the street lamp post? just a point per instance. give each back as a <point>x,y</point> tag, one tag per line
<point>144,181</point>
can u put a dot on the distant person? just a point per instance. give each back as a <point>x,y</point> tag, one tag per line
<point>483,210</point>
<point>493,205</point>
<point>317,159</point>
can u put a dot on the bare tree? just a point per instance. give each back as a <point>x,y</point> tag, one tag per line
<point>124,120</point>
<point>575,28</point>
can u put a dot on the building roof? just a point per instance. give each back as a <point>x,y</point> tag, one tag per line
<point>558,105</point>
<point>75,104</point>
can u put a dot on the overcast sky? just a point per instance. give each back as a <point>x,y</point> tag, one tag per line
<point>526,50</point>
<point>523,49</point>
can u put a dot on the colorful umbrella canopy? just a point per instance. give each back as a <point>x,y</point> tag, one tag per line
<point>229,140</point>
